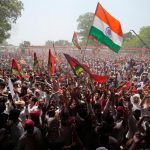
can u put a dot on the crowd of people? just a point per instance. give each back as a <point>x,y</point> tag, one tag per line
<point>65,112</point>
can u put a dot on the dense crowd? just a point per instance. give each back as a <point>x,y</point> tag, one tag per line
<point>65,112</point>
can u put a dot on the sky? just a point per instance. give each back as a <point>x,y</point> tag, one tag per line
<point>44,20</point>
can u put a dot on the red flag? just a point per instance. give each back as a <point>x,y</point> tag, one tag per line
<point>92,38</point>
<point>98,78</point>
<point>79,68</point>
<point>75,40</point>
<point>95,77</point>
<point>51,63</point>
<point>16,69</point>
<point>75,65</point>
<point>35,62</point>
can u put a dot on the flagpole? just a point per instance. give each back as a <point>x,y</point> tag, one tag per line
<point>87,39</point>
<point>140,39</point>
<point>55,55</point>
<point>85,49</point>
<point>54,49</point>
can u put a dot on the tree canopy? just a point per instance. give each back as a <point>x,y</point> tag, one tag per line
<point>25,44</point>
<point>131,40</point>
<point>10,10</point>
<point>59,42</point>
<point>84,24</point>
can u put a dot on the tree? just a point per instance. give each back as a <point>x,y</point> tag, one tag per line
<point>25,44</point>
<point>62,43</point>
<point>128,39</point>
<point>132,41</point>
<point>49,43</point>
<point>84,24</point>
<point>10,10</point>
<point>59,43</point>
<point>128,36</point>
<point>145,36</point>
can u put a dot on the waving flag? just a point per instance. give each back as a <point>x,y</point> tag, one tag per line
<point>51,63</point>
<point>35,63</point>
<point>98,78</point>
<point>74,64</point>
<point>80,68</point>
<point>106,29</point>
<point>75,40</point>
<point>16,69</point>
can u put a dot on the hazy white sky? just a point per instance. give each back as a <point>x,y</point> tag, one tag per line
<point>44,20</point>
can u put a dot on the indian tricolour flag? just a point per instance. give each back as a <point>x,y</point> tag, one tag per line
<point>106,29</point>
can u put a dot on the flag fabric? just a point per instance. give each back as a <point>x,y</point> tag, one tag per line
<point>75,40</point>
<point>54,49</point>
<point>11,88</point>
<point>80,68</point>
<point>51,63</point>
<point>92,38</point>
<point>35,62</point>
<point>23,62</point>
<point>106,29</point>
<point>98,78</point>
<point>95,77</point>
<point>74,64</point>
<point>16,69</point>
<point>57,56</point>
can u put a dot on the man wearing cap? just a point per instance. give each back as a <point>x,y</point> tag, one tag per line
<point>31,138</point>
<point>16,126</point>
<point>20,104</point>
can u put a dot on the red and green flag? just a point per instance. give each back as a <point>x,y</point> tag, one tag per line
<point>75,40</point>
<point>16,69</point>
<point>51,63</point>
<point>54,49</point>
<point>57,56</point>
<point>35,62</point>
<point>80,68</point>
<point>75,65</point>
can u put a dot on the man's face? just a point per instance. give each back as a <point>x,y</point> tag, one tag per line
<point>2,87</point>
<point>136,100</point>
<point>15,85</point>
<point>52,111</point>
<point>148,103</point>
<point>37,94</point>
<point>30,130</point>
<point>23,90</point>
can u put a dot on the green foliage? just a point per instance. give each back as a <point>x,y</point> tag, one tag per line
<point>49,43</point>
<point>132,41</point>
<point>62,43</point>
<point>10,10</point>
<point>145,35</point>
<point>84,24</point>
<point>25,44</point>
<point>59,43</point>
<point>128,36</point>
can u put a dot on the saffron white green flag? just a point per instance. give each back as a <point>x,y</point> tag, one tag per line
<point>106,29</point>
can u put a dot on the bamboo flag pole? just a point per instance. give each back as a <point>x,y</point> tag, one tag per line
<point>141,40</point>
<point>54,49</point>
<point>87,40</point>
<point>85,49</point>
